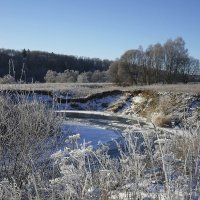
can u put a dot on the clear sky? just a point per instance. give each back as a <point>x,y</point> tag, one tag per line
<point>97,28</point>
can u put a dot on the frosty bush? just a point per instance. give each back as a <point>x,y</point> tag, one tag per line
<point>24,125</point>
<point>9,190</point>
<point>7,79</point>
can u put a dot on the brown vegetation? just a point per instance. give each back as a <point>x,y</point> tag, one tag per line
<point>167,63</point>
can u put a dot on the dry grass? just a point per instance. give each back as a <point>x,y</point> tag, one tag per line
<point>176,88</point>
<point>150,105</point>
<point>161,120</point>
<point>83,89</point>
<point>54,86</point>
<point>162,107</point>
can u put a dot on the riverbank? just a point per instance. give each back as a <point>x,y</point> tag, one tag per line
<point>163,109</point>
<point>162,105</point>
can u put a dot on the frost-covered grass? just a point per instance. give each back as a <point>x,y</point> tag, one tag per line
<point>152,165</point>
<point>75,89</point>
<point>159,166</point>
<point>24,125</point>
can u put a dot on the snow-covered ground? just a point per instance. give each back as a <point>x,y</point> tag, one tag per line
<point>127,117</point>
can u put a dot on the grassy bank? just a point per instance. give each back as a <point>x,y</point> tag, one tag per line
<point>84,89</point>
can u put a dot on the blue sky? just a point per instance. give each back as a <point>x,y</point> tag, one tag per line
<point>97,28</point>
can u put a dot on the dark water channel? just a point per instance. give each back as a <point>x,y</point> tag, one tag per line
<point>96,127</point>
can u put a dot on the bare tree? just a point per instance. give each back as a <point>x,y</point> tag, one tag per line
<point>113,71</point>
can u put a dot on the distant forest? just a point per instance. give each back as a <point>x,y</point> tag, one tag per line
<point>31,66</point>
<point>167,63</point>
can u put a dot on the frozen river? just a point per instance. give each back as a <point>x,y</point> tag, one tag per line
<point>96,127</point>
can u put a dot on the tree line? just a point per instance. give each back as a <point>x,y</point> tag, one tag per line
<point>167,63</point>
<point>33,66</point>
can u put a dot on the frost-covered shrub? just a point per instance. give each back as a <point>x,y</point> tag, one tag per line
<point>84,77</point>
<point>90,174</point>
<point>50,76</point>
<point>7,79</point>
<point>24,125</point>
<point>68,76</point>
<point>9,191</point>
